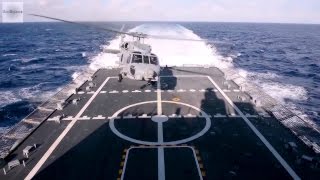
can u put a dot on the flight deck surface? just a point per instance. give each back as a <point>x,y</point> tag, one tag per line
<point>192,124</point>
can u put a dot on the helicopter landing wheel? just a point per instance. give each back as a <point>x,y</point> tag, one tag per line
<point>153,83</point>
<point>120,77</point>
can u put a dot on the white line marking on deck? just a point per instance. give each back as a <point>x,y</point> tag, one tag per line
<point>62,135</point>
<point>184,76</point>
<point>250,115</point>
<point>84,118</point>
<point>113,92</point>
<point>145,117</point>
<point>181,90</point>
<point>136,91</point>
<point>99,117</point>
<point>54,118</point>
<point>159,104</point>
<point>125,163</point>
<point>196,161</point>
<point>191,138</point>
<point>68,118</point>
<point>80,92</point>
<point>257,132</point>
<point>190,115</point>
<point>125,91</point>
<point>147,91</point>
<point>175,116</point>
<point>163,147</point>
<point>161,166</point>
<point>103,92</point>
<point>160,132</point>
<point>192,90</point>
<point>219,116</point>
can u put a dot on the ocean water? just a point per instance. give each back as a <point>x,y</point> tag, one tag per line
<point>38,59</point>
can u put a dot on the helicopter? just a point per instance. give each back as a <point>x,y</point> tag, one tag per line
<point>136,59</point>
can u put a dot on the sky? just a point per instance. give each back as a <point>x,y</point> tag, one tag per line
<point>278,11</point>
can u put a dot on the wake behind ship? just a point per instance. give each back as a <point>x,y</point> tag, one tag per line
<point>195,123</point>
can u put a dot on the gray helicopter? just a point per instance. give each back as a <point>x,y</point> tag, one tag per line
<point>136,59</point>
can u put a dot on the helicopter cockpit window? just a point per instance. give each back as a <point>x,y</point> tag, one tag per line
<point>154,60</point>
<point>121,59</point>
<point>128,59</point>
<point>136,58</point>
<point>146,59</point>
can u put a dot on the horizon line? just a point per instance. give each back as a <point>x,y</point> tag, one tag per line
<point>166,21</point>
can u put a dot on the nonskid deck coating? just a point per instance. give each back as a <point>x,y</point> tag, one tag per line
<point>196,102</point>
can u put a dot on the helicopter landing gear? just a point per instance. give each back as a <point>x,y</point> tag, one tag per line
<point>152,83</point>
<point>120,77</point>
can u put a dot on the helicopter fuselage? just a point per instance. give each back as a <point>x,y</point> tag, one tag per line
<point>137,61</point>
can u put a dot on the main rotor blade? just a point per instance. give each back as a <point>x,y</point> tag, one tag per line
<point>174,38</point>
<point>82,24</point>
<point>134,34</point>
<point>184,39</point>
<point>122,28</point>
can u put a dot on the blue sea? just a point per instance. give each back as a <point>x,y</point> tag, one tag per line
<point>38,59</point>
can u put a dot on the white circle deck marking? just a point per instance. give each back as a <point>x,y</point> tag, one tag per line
<point>137,141</point>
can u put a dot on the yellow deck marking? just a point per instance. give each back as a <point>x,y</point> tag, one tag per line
<point>176,99</point>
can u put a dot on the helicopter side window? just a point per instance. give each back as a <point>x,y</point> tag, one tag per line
<point>154,60</point>
<point>136,58</point>
<point>146,59</point>
<point>128,59</point>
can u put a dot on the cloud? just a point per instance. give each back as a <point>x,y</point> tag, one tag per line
<point>292,11</point>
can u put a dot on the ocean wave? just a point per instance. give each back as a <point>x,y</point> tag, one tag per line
<point>284,92</point>
<point>8,97</point>
<point>10,54</point>
<point>36,93</point>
